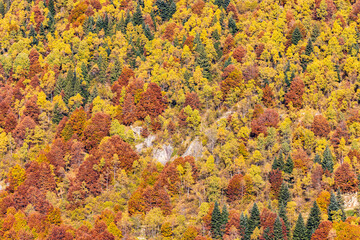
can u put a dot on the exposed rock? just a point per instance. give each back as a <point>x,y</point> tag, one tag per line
<point>163,154</point>
<point>136,130</point>
<point>149,140</point>
<point>350,200</point>
<point>195,149</point>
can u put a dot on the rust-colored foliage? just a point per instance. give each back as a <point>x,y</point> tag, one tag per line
<point>353,15</point>
<point>169,177</point>
<point>345,179</point>
<point>35,67</point>
<point>251,72</point>
<point>268,96</point>
<point>228,44</point>
<point>301,160</point>
<point>124,78</point>
<point>259,50</point>
<point>340,132</point>
<point>151,103</point>
<point>197,7</point>
<point>38,16</point>
<point>236,188</point>
<point>322,232</point>
<point>270,118</point>
<point>320,126</point>
<point>275,179</point>
<point>115,145</point>
<point>295,93</point>
<point>59,232</point>
<point>75,124</point>
<point>10,121</point>
<point>239,54</point>
<point>56,156</point>
<point>232,8</point>
<point>129,110</point>
<point>233,222</point>
<point>267,220</point>
<point>233,80</point>
<point>31,109</point>
<point>19,132</point>
<point>170,31</point>
<point>97,128</point>
<point>192,100</point>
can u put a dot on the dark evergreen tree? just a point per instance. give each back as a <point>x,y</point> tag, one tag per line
<point>138,17</point>
<point>300,230</point>
<point>340,201</point>
<point>232,26</point>
<point>203,61</point>
<point>333,207</point>
<point>309,48</point>
<point>284,195</point>
<point>296,36</point>
<point>283,216</point>
<point>215,35</point>
<point>224,219</point>
<point>216,222</point>
<point>275,164</point>
<point>317,159</point>
<point>225,3</point>
<point>243,225</point>
<point>172,9</point>
<point>93,94</point>
<point>219,3</point>
<point>42,31</point>
<point>148,33</point>
<point>227,63</point>
<point>219,52</point>
<point>327,163</point>
<point>289,165</point>
<point>69,87</point>
<point>51,7</point>
<point>115,71</point>
<point>2,9</point>
<point>254,220</point>
<point>278,233</point>
<point>127,19</point>
<point>267,234</point>
<point>33,36</point>
<point>57,114</point>
<point>121,25</point>
<point>313,220</point>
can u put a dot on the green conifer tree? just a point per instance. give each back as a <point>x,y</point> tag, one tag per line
<point>138,17</point>
<point>317,159</point>
<point>283,216</point>
<point>296,36</point>
<point>327,163</point>
<point>289,165</point>
<point>278,233</point>
<point>313,220</point>
<point>232,26</point>
<point>243,225</point>
<point>216,221</point>
<point>300,230</point>
<point>340,201</point>
<point>254,220</point>
<point>333,206</point>
<point>284,195</point>
<point>309,48</point>
<point>51,7</point>
<point>224,219</point>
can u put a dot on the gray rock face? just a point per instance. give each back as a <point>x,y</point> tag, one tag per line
<point>147,143</point>
<point>163,154</point>
<point>137,130</point>
<point>195,149</point>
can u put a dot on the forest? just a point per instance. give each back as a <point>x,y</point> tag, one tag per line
<point>178,119</point>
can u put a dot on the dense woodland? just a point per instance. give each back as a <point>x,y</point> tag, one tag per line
<point>269,89</point>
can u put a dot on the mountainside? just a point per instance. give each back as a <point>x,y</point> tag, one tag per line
<point>173,119</point>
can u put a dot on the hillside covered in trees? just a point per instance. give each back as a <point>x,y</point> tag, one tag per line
<point>178,119</point>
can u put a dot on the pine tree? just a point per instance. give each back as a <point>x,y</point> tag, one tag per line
<point>219,3</point>
<point>340,201</point>
<point>51,7</point>
<point>283,216</point>
<point>33,36</point>
<point>152,15</point>
<point>289,165</point>
<point>275,164</point>
<point>327,163</point>
<point>317,159</point>
<point>57,115</point>
<point>203,61</point>
<point>333,206</point>
<point>309,48</point>
<point>267,234</point>
<point>300,230</point>
<point>69,87</point>
<point>224,219</point>
<point>254,220</point>
<point>2,8</point>
<point>148,33</point>
<point>278,234</point>
<point>115,71</point>
<point>137,16</point>
<point>313,220</point>
<point>226,3</point>
<point>232,26</point>
<point>172,9</point>
<point>243,225</point>
<point>216,221</point>
<point>284,195</point>
<point>296,36</point>
<point>121,25</point>
<point>215,34</point>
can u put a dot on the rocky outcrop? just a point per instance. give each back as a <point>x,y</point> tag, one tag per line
<point>163,154</point>
<point>195,149</point>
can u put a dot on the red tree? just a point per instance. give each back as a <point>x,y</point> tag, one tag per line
<point>295,93</point>
<point>19,132</point>
<point>236,188</point>
<point>345,179</point>
<point>270,118</point>
<point>320,126</point>
<point>239,54</point>
<point>275,179</point>
<point>192,100</point>
<point>322,232</point>
<point>151,103</point>
<point>268,96</point>
<point>340,132</point>
<point>97,129</point>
